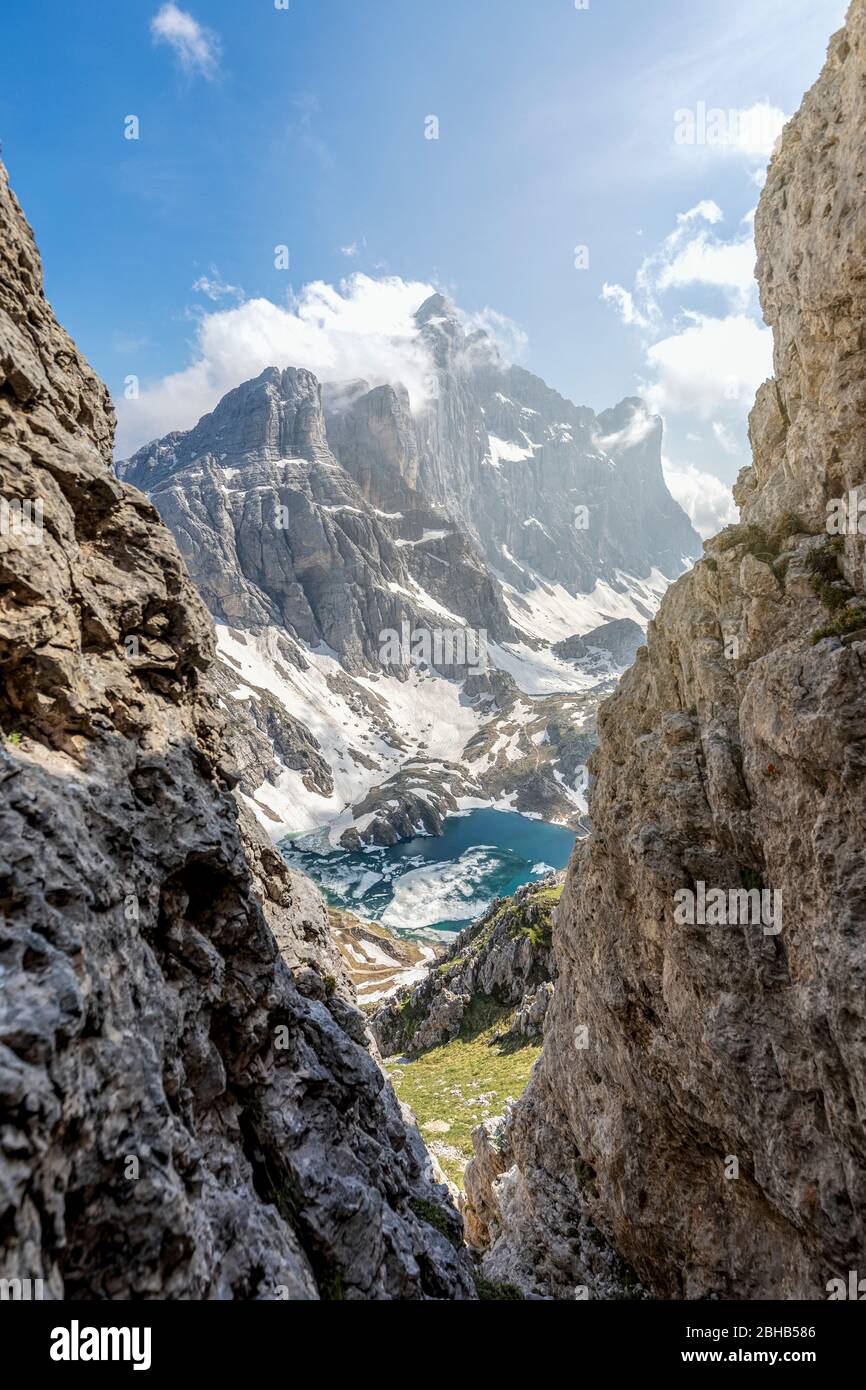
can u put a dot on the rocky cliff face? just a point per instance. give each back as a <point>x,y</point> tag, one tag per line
<point>274,530</point>
<point>190,1108</point>
<point>547,491</point>
<point>506,957</point>
<point>702,1092</point>
<point>615,644</point>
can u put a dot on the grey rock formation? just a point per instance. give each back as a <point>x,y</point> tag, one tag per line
<point>547,489</point>
<point>512,465</point>
<point>559,1252</point>
<point>263,737</point>
<point>701,1092</point>
<point>506,957</point>
<point>617,641</point>
<point>278,536</point>
<point>188,1104</point>
<point>275,531</point>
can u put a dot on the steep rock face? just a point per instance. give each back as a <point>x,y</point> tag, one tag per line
<point>311,567</point>
<point>506,957</point>
<point>372,433</point>
<point>294,556</point>
<point>364,556</point>
<point>188,1104</point>
<point>702,1091</point>
<point>275,531</point>
<point>272,529</point>
<point>546,490</point>
<point>550,491</point>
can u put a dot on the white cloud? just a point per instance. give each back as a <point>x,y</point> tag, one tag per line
<point>708,363</point>
<point>641,425</point>
<point>725,439</point>
<point>351,251</point>
<point>706,211</point>
<point>215,287</point>
<point>750,132</point>
<point>506,334</point>
<point>699,363</point>
<point>706,261</point>
<point>758,129</point>
<point>706,500</point>
<point>363,328</point>
<point>623,300</point>
<point>197,49</point>
<point>691,255</point>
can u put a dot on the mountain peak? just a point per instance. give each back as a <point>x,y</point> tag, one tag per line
<point>628,425</point>
<point>437,306</point>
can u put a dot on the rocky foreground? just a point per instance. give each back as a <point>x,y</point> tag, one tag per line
<point>702,1092</point>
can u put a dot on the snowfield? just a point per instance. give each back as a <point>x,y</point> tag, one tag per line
<point>369,728</point>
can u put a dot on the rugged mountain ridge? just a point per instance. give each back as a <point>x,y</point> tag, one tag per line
<point>281,534</point>
<point>548,489</point>
<point>702,1090</point>
<point>349,548</point>
<point>189,1103</point>
<point>514,464</point>
<point>616,642</point>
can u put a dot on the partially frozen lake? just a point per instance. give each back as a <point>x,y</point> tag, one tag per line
<point>438,883</point>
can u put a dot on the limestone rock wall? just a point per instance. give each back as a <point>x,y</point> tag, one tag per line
<point>733,755</point>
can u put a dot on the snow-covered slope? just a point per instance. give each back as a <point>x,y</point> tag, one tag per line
<point>391,741</point>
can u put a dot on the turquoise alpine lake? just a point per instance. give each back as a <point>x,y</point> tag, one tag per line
<point>436,883</point>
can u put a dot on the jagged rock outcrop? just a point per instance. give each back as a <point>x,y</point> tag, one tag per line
<point>617,641</point>
<point>506,957</point>
<point>189,1107</point>
<point>702,1091</point>
<point>561,1251</point>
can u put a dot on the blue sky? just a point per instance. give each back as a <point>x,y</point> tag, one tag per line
<point>305,127</point>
